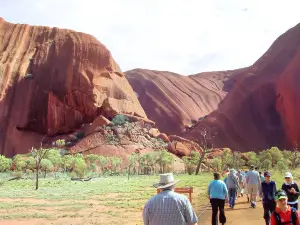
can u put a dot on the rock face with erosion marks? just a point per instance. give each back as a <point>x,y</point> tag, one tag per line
<point>262,108</point>
<point>176,102</point>
<point>52,81</point>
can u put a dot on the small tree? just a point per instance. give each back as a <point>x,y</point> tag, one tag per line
<point>104,164</point>
<point>191,162</point>
<point>132,161</point>
<point>216,163</point>
<point>164,159</point>
<point>115,163</point>
<point>206,136</point>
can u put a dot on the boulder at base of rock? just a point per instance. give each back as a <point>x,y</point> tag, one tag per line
<point>100,121</point>
<point>164,137</point>
<point>154,132</point>
<point>178,149</point>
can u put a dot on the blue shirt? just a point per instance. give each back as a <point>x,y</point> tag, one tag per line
<point>253,177</point>
<point>169,208</point>
<point>268,190</point>
<point>217,189</point>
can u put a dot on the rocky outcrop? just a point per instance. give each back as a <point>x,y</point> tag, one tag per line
<point>176,102</point>
<point>262,108</point>
<point>54,80</point>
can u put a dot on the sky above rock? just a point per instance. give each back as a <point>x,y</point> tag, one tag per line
<point>185,37</point>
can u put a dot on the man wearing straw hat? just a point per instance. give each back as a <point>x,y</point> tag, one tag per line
<point>168,207</point>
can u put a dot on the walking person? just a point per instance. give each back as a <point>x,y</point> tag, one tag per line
<point>246,187</point>
<point>232,184</point>
<point>168,207</point>
<point>268,190</point>
<point>253,184</point>
<point>284,214</point>
<point>217,193</point>
<point>291,189</point>
<point>241,183</point>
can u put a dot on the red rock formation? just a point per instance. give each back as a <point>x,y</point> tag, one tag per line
<point>174,101</point>
<point>262,108</point>
<point>52,81</point>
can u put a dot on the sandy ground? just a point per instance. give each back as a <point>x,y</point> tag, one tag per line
<point>241,214</point>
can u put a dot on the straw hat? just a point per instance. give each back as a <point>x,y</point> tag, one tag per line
<point>166,180</point>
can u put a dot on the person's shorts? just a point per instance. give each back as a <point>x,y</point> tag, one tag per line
<point>252,189</point>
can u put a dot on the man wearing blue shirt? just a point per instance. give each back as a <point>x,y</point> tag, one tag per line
<point>267,193</point>
<point>217,193</point>
<point>253,184</point>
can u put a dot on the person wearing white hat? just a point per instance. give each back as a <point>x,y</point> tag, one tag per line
<point>291,189</point>
<point>168,207</point>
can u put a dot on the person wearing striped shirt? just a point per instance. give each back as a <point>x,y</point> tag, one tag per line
<point>168,207</point>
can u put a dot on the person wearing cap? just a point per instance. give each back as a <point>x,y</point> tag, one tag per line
<point>267,193</point>
<point>292,190</point>
<point>284,214</point>
<point>217,193</point>
<point>168,207</point>
<point>253,184</point>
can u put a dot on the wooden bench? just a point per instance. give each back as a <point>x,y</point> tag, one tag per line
<point>184,190</point>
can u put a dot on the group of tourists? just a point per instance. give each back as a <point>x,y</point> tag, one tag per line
<point>280,206</point>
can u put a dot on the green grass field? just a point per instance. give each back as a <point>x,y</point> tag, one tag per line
<point>110,200</point>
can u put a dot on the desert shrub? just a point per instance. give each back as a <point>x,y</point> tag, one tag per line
<point>80,166</point>
<point>46,166</point>
<point>5,163</point>
<point>281,166</point>
<point>55,157</point>
<point>119,120</point>
<point>18,174</point>
<point>68,162</point>
<point>19,162</point>
<point>30,163</point>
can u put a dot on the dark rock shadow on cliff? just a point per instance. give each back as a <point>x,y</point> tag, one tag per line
<point>243,123</point>
<point>31,110</point>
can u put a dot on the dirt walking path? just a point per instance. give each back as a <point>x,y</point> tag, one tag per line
<point>241,214</point>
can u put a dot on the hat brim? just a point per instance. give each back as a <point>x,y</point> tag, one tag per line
<point>160,186</point>
<point>282,197</point>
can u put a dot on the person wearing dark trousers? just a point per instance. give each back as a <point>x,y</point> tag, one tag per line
<point>217,193</point>
<point>267,194</point>
<point>232,184</point>
<point>291,189</point>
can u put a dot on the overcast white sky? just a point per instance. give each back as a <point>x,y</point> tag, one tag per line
<point>186,37</point>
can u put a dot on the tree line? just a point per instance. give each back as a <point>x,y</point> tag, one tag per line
<point>272,158</point>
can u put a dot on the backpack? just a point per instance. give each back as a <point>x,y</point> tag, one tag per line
<point>294,218</point>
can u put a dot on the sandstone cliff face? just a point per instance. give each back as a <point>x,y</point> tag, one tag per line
<point>262,109</point>
<point>174,101</point>
<point>52,81</point>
